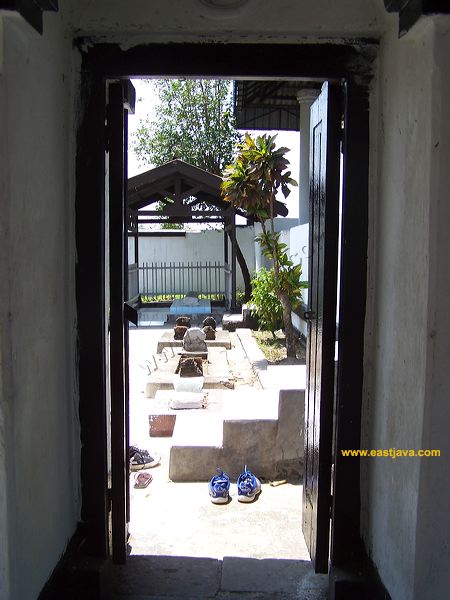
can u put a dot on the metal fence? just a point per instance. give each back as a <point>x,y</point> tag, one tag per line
<point>170,280</point>
<point>133,282</point>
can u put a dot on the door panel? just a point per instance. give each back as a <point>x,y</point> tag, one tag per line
<point>118,262</point>
<point>323,227</point>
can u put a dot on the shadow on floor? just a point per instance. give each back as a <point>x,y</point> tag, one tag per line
<point>189,578</point>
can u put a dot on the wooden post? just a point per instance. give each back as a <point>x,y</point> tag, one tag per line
<point>92,326</point>
<point>233,260</point>
<point>136,250</point>
<point>225,244</point>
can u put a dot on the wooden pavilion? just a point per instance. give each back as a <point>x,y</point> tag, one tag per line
<point>184,193</point>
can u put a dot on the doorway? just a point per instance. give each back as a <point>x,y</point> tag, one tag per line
<point>323,62</point>
<point>246,419</point>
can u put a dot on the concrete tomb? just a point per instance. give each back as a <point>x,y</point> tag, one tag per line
<point>210,332</point>
<point>210,322</point>
<point>183,322</point>
<point>179,332</point>
<point>190,367</point>
<point>194,340</point>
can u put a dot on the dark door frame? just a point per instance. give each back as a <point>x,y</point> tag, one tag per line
<point>351,63</point>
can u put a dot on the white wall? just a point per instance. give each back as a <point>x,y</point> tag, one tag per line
<point>408,323</point>
<point>151,20</point>
<point>299,253</point>
<point>432,577</point>
<point>202,246</point>
<point>39,437</point>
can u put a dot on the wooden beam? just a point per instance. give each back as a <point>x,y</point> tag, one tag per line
<point>91,321</point>
<point>48,4</point>
<point>410,11</point>
<point>345,543</point>
<point>233,257</point>
<point>32,13</point>
<point>225,247</point>
<point>119,462</point>
<point>394,5</point>
<point>181,214</point>
<point>31,10</point>
<point>180,220</point>
<point>321,60</point>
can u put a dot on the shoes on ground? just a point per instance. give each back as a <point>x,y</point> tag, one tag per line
<point>219,488</point>
<point>142,459</point>
<point>248,486</point>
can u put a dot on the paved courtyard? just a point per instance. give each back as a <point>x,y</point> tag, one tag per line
<point>209,551</point>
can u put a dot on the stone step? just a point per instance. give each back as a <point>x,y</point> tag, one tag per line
<point>250,404</point>
<point>243,433</point>
<point>231,322</point>
<point>196,447</point>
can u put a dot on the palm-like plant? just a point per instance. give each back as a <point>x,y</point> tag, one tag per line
<point>252,182</point>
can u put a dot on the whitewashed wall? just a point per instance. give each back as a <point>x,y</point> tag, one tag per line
<point>202,246</point>
<point>298,241</point>
<point>39,430</point>
<point>405,502</point>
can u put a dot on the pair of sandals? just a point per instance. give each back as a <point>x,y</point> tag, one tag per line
<point>142,480</point>
<point>141,459</point>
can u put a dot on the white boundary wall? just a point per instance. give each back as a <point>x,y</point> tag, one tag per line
<point>199,246</point>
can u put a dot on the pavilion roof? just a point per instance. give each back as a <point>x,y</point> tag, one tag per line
<point>181,188</point>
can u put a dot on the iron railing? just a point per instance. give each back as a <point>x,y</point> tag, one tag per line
<point>133,282</point>
<point>171,280</point>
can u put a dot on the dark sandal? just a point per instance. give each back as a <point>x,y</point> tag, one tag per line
<point>142,480</point>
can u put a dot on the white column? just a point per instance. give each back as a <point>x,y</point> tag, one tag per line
<point>258,254</point>
<point>305,98</point>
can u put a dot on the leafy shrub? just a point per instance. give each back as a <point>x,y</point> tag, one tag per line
<point>268,307</point>
<point>240,296</point>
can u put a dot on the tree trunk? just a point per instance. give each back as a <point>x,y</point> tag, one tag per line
<point>245,272</point>
<point>287,320</point>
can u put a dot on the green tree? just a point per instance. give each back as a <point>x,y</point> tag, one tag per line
<point>193,122</point>
<point>252,182</point>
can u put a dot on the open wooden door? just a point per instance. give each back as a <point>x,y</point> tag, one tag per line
<point>321,315</point>
<point>120,101</point>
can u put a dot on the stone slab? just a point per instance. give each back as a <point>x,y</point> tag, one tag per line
<point>166,341</point>
<point>165,382</point>
<point>160,403</point>
<point>269,575</point>
<point>231,322</point>
<point>166,575</point>
<point>161,425</point>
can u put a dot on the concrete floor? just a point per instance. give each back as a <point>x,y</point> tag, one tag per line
<point>183,546</point>
<point>178,519</point>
